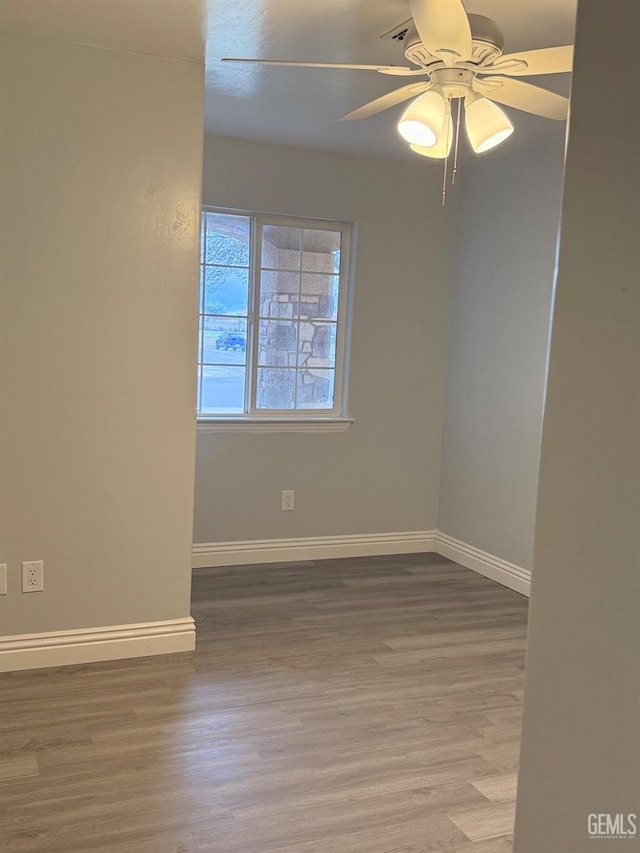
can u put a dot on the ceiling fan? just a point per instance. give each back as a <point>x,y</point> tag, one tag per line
<point>462,57</point>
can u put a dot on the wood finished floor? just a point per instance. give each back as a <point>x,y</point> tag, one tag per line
<point>349,706</point>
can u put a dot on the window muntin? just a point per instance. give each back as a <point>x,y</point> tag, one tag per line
<point>272,316</point>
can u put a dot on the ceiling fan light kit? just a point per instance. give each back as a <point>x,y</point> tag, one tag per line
<point>462,58</point>
<point>423,120</point>
<point>442,148</point>
<point>486,124</point>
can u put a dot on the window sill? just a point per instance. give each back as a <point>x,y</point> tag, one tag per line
<point>267,424</point>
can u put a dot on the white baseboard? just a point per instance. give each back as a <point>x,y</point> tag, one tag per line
<point>87,645</point>
<point>215,554</point>
<point>241,553</point>
<point>505,573</point>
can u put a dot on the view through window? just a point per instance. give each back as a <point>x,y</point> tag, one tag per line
<point>272,315</point>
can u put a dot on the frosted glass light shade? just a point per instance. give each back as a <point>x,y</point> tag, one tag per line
<point>443,144</point>
<point>487,125</point>
<point>422,121</point>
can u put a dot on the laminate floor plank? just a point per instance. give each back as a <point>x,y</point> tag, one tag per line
<point>486,822</point>
<point>367,705</point>
<point>498,789</point>
<point>17,767</point>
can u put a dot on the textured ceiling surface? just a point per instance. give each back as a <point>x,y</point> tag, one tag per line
<point>174,28</point>
<point>299,106</point>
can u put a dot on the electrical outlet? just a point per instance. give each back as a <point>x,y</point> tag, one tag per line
<point>288,500</point>
<point>33,576</point>
<point>3,578</point>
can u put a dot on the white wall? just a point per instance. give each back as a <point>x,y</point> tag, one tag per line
<point>505,254</point>
<point>100,184</point>
<point>382,474</point>
<point>581,739</point>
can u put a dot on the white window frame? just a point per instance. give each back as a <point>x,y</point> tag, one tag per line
<point>286,420</point>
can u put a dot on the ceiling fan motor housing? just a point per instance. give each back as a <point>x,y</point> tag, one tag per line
<point>488,43</point>
<point>454,82</point>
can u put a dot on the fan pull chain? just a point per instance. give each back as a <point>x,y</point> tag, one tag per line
<point>455,155</point>
<point>446,165</point>
<point>444,181</point>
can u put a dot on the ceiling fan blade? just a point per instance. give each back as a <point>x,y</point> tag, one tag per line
<point>523,96</point>
<point>443,27</point>
<point>393,70</point>
<point>549,60</point>
<point>388,100</point>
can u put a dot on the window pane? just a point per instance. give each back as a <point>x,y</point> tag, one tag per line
<point>281,247</point>
<point>220,390</point>
<point>315,389</point>
<point>295,287</point>
<point>226,291</point>
<point>319,296</point>
<point>227,239</point>
<point>277,343</point>
<point>279,294</point>
<point>321,251</point>
<point>317,344</point>
<point>222,340</point>
<point>276,388</point>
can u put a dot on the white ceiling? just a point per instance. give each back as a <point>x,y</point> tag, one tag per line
<point>162,27</point>
<point>298,106</point>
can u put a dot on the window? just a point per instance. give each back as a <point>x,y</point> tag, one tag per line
<point>272,317</point>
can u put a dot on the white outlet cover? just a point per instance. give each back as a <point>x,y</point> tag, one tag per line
<point>288,500</point>
<point>33,576</point>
